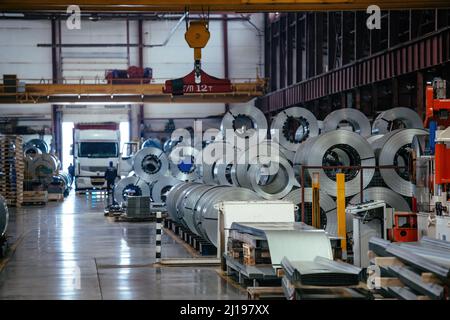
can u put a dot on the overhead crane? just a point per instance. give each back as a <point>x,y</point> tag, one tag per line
<point>214,5</point>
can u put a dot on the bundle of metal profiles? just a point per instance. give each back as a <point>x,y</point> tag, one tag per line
<point>427,255</point>
<point>321,272</point>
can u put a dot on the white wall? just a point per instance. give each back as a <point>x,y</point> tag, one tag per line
<point>20,55</point>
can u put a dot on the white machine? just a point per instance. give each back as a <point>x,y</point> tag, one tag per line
<point>370,219</point>
<point>95,145</point>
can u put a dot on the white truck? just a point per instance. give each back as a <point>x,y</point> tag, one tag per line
<point>94,146</point>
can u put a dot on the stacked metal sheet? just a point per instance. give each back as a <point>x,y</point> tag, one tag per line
<point>322,272</point>
<point>427,256</point>
<point>138,206</point>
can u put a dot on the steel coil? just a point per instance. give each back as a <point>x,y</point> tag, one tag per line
<point>217,157</point>
<point>38,144</point>
<point>43,167</point>
<point>185,164</point>
<point>292,126</point>
<point>354,118</point>
<point>340,147</point>
<point>31,152</point>
<point>4,216</point>
<point>327,206</point>
<point>161,188</point>
<point>134,185</point>
<point>374,138</point>
<point>174,197</point>
<point>392,199</point>
<point>206,212</point>
<point>272,183</point>
<point>150,163</point>
<point>245,122</point>
<point>396,118</point>
<point>152,143</point>
<point>395,151</point>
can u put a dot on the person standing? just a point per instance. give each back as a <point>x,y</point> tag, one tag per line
<point>71,171</point>
<point>110,177</point>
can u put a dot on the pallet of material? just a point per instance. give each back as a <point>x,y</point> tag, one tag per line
<point>410,271</point>
<point>12,169</point>
<point>265,293</point>
<point>35,197</point>
<point>55,197</point>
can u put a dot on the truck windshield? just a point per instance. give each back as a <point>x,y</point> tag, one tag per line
<point>98,150</point>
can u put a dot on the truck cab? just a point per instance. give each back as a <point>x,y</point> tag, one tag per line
<point>95,146</point>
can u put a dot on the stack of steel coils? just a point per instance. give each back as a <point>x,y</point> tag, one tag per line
<point>194,206</point>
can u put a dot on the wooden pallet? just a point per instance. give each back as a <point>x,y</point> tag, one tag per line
<point>35,197</point>
<point>12,165</point>
<point>265,293</point>
<point>55,197</point>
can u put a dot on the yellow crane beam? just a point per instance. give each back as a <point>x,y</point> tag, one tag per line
<point>125,93</point>
<point>214,5</point>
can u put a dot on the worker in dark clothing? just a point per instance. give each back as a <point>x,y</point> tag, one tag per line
<point>71,172</point>
<point>110,177</point>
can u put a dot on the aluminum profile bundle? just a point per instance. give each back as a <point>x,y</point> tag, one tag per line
<point>150,163</point>
<point>138,206</point>
<point>327,206</point>
<point>321,272</point>
<point>292,126</point>
<point>407,116</point>
<point>392,199</point>
<point>355,118</point>
<point>395,151</point>
<point>340,147</point>
<point>130,185</point>
<point>4,216</point>
<point>244,121</point>
<point>194,206</point>
<point>161,187</point>
<point>185,163</point>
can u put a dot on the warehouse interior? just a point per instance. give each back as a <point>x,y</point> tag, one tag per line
<point>224,150</point>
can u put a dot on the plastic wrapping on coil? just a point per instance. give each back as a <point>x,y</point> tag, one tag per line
<point>244,121</point>
<point>292,126</point>
<point>400,117</point>
<point>150,163</point>
<point>130,185</point>
<point>185,163</point>
<point>355,119</point>
<point>396,151</point>
<point>337,148</point>
<point>4,216</point>
<point>43,167</point>
<point>327,206</point>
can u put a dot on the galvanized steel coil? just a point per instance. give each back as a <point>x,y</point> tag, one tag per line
<point>406,116</point>
<point>185,163</point>
<point>395,151</point>
<point>340,147</point>
<point>327,205</point>
<point>174,197</point>
<point>43,167</point>
<point>217,158</point>
<point>354,118</point>
<point>150,163</point>
<point>292,126</point>
<point>4,216</point>
<point>206,212</point>
<point>272,183</point>
<point>392,199</point>
<point>138,186</point>
<point>245,122</point>
<point>37,143</point>
<point>161,188</point>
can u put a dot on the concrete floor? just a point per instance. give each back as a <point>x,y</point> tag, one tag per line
<point>69,250</point>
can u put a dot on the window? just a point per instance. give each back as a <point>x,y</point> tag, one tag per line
<point>98,150</point>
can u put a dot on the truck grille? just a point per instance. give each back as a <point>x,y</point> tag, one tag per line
<point>93,169</point>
